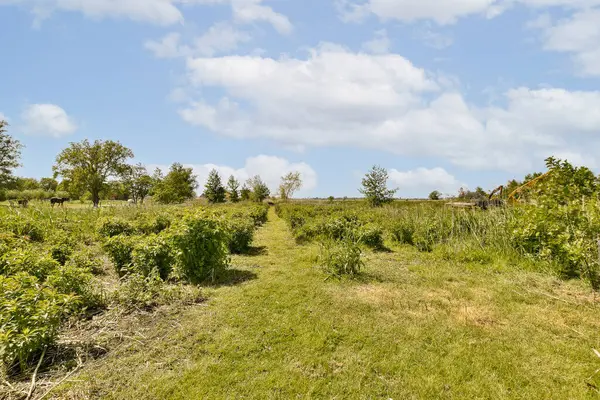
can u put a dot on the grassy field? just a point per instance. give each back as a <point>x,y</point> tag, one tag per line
<point>413,326</point>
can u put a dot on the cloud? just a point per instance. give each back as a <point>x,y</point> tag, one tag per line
<point>270,169</point>
<point>248,11</point>
<point>578,35</point>
<point>380,44</point>
<point>339,98</point>
<point>219,38</point>
<point>47,120</point>
<point>422,181</point>
<point>444,12</point>
<point>161,12</point>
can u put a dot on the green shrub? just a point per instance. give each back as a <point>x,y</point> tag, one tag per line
<point>201,245</point>
<point>402,232</point>
<point>342,258</point>
<point>86,260</point>
<point>120,251</point>
<point>72,280</point>
<point>241,233</point>
<point>23,227</point>
<point>29,261</point>
<point>371,235</point>
<point>62,247</point>
<point>153,254</point>
<point>138,291</point>
<point>113,226</point>
<point>30,315</point>
<point>153,224</point>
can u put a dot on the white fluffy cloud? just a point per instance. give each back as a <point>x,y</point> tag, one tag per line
<point>47,120</point>
<point>384,102</point>
<point>422,181</point>
<point>162,12</point>
<point>270,169</point>
<point>578,35</point>
<point>220,38</point>
<point>444,12</point>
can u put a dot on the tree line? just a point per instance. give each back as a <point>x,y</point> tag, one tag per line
<point>101,170</point>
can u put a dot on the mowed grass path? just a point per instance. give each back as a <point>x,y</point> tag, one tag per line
<point>413,327</point>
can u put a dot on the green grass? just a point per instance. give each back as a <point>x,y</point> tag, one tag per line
<point>412,327</point>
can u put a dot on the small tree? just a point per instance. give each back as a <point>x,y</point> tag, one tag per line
<point>260,190</point>
<point>375,187</point>
<point>435,195</point>
<point>178,186</point>
<point>10,154</point>
<point>290,184</point>
<point>245,193</point>
<point>214,190</point>
<point>138,182</point>
<point>89,166</point>
<point>233,185</point>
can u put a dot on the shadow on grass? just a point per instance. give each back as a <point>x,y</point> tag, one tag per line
<point>232,277</point>
<point>254,251</point>
<point>382,249</point>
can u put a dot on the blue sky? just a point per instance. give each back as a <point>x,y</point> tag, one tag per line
<point>442,94</point>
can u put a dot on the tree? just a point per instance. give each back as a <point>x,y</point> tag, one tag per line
<point>245,193</point>
<point>290,184</point>
<point>138,182</point>
<point>233,185</point>
<point>260,190</point>
<point>26,184</point>
<point>49,184</point>
<point>375,187</point>
<point>10,154</point>
<point>435,195</point>
<point>89,166</point>
<point>213,189</point>
<point>178,186</point>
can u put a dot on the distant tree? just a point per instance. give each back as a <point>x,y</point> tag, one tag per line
<point>89,166</point>
<point>115,190</point>
<point>233,188</point>
<point>10,154</point>
<point>138,182</point>
<point>331,199</point>
<point>26,184</point>
<point>49,184</point>
<point>374,187</point>
<point>245,193</point>
<point>260,190</point>
<point>213,189</point>
<point>435,195</point>
<point>176,187</point>
<point>290,184</point>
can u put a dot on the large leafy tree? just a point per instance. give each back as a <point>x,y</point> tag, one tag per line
<point>138,182</point>
<point>177,186</point>
<point>89,166</point>
<point>245,193</point>
<point>374,187</point>
<point>260,190</point>
<point>10,154</point>
<point>290,184</point>
<point>233,187</point>
<point>214,190</point>
<point>49,184</point>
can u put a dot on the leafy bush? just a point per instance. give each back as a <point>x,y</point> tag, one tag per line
<point>23,227</point>
<point>120,251</point>
<point>153,254</point>
<point>86,260</point>
<point>201,245</point>
<point>154,224</point>
<point>241,233</point>
<point>29,261</point>
<point>402,232</point>
<point>341,258</point>
<point>72,280</point>
<point>113,226</point>
<point>30,315</point>
<point>371,235</point>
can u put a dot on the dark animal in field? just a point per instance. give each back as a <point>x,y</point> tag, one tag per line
<point>23,202</point>
<point>59,200</point>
